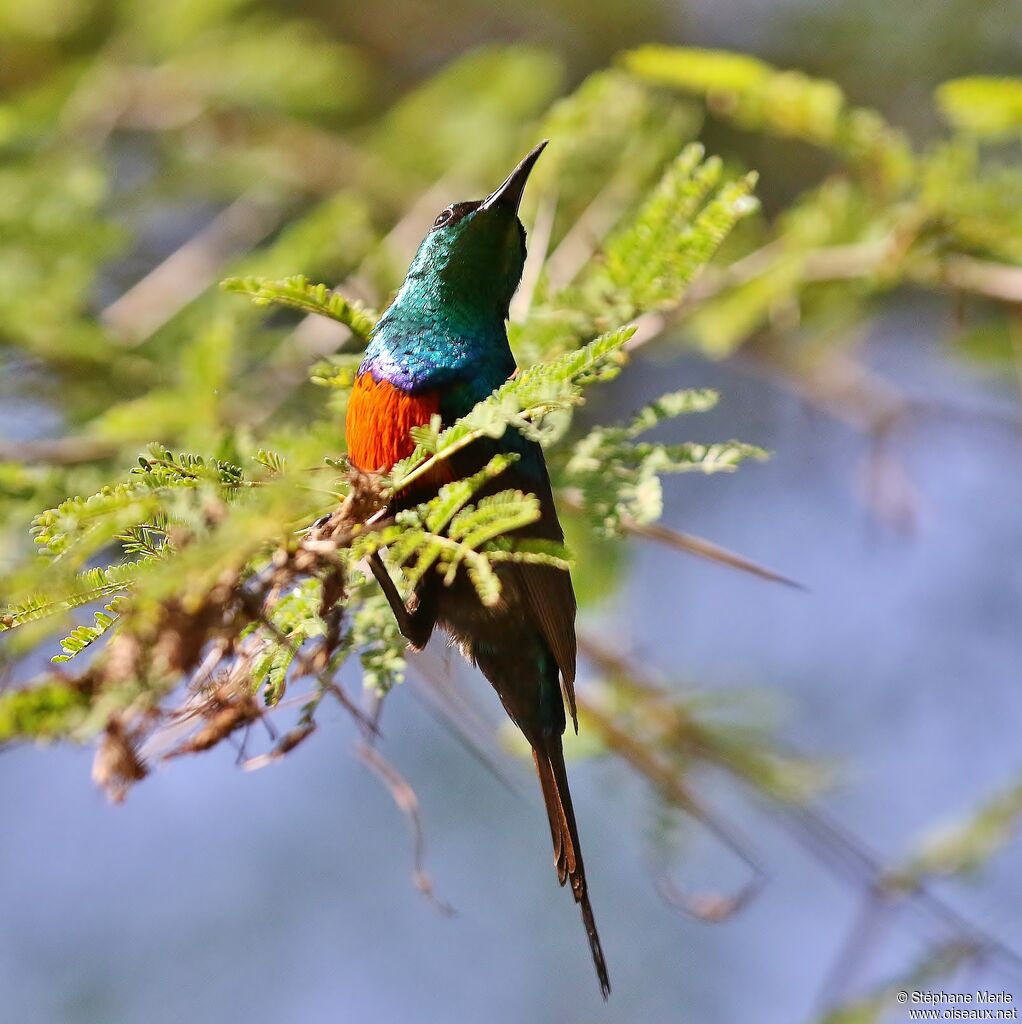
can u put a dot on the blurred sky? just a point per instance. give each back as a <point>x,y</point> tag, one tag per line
<point>217,895</point>
<point>285,895</point>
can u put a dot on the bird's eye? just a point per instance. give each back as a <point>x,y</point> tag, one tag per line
<point>443,218</point>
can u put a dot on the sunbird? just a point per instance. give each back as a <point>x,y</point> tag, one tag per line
<point>440,348</point>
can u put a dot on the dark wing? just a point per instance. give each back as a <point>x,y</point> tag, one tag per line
<point>552,601</point>
<point>551,596</point>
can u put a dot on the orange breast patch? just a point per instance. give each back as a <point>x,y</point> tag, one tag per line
<point>379,419</point>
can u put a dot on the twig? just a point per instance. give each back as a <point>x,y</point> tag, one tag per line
<point>981,277</point>
<point>689,543</point>
<point>61,451</point>
<point>987,278</point>
<point>539,244</point>
<point>369,726</point>
<point>821,828</point>
<point>584,236</point>
<point>702,548</point>
<point>408,803</point>
<point>192,268</point>
<point>291,739</point>
<point>859,941</point>
<point>664,779</point>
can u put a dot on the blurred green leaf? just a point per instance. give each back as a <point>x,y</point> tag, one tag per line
<point>986,106</point>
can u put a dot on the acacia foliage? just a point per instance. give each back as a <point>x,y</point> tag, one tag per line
<point>247,570</point>
<point>178,578</point>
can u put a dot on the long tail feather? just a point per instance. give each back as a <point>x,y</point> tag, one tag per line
<point>553,779</point>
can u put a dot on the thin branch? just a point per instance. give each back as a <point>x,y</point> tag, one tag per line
<point>584,236</point>
<point>860,940</point>
<point>996,281</point>
<point>408,803</point>
<point>986,278</point>
<point>702,548</point>
<point>688,543</point>
<point>191,269</point>
<point>539,245</point>
<point>674,792</point>
<point>60,451</point>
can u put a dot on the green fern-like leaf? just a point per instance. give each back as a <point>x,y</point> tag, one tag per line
<point>494,516</point>
<point>650,262</point>
<point>452,497</point>
<point>620,477</point>
<point>520,402</point>
<point>789,104</point>
<point>84,636</point>
<point>273,461</point>
<point>297,293</point>
<point>297,619</point>
<point>92,585</point>
<point>983,105</point>
<point>108,513</point>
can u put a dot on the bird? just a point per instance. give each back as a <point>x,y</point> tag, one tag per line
<point>439,348</point>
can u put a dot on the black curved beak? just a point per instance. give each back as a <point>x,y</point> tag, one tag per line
<point>509,195</point>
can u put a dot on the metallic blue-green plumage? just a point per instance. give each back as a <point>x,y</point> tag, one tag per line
<point>444,341</point>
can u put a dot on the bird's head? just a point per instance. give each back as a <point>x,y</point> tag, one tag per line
<point>475,250</point>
